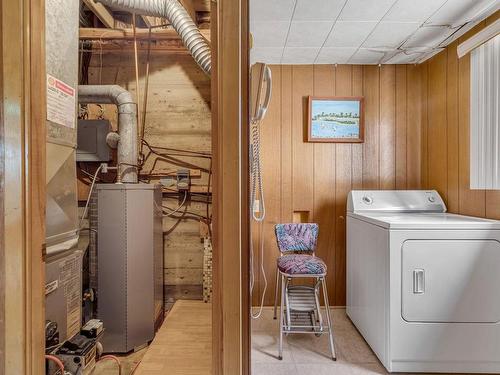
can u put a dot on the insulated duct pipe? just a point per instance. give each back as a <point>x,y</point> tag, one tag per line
<point>175,13</point>
<point>127,123</point>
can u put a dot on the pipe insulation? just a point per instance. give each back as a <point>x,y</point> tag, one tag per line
<point>127,123</point>
<point>181,21</point>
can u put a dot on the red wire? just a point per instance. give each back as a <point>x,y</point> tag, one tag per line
<point>57,361</point>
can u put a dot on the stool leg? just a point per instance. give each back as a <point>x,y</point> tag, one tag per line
<point>282,317</point>
<point>276,289</point>
<point>318,306</point>
<point>330,326</point>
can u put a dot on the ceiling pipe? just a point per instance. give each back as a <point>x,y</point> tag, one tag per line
<point>127,124</point>
<point>181,21</point>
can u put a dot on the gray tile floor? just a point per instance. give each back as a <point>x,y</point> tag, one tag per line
<point>305,354</point>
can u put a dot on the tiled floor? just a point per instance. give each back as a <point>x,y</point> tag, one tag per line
<point>305,354</point>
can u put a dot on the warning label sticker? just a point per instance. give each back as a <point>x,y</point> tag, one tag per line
<point>61,102</point>
<point>70,279</point>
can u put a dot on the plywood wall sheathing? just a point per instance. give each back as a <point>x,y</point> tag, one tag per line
<point>178,116</point>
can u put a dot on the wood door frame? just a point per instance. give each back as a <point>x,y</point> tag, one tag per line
<point>22,186</point>
<point>230,142</point>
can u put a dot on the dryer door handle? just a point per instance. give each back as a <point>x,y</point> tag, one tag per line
<point>418,281</point>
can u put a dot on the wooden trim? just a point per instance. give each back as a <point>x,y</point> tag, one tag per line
<point>23,101</point>
<point>309,137</point>
<point>478,39</point>
<point>101,12</point>
<point>2,205</point>
<point>35,138</point>
<point>230,136</point>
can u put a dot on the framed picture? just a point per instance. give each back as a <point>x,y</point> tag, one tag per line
<point>335,119</point>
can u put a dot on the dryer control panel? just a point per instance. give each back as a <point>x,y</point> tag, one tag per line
<point>395,201</point>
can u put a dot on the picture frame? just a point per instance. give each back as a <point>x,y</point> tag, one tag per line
<point>335,119</point>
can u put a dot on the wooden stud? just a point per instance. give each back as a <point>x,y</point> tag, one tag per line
<point>104,15</point>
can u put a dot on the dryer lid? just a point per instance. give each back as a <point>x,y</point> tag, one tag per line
<point>395,201</point>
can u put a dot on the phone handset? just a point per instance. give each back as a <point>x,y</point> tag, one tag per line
<point>261,112</point>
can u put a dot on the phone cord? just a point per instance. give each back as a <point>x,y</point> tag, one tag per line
<point>257,191</point>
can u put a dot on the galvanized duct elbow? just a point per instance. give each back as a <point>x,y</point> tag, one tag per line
<point>127,122</point>
<point>173,11</point>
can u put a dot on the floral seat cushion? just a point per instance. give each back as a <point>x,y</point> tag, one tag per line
<point>301,264</point>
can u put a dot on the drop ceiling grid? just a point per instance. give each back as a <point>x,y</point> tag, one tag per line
<point>353,31</point>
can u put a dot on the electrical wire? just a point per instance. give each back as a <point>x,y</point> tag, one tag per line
<point>136,62</point>
<point>90,194</point>
<point>57,361</point>
<point>172,228</point>
<point>178,208</point>
<point>197,153</point>
<point>146,89</point>
<point>112,358</point>
<point>135,368</point>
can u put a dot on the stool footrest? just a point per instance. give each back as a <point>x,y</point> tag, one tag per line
<point>301,298</point>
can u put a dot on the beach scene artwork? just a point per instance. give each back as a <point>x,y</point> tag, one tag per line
<point>333,119</point>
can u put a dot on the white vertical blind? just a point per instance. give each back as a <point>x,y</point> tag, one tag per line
<point>484,116</point>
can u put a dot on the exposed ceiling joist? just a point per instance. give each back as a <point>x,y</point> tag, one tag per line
<point>128,34</point>
<point>153,21</point>
<point>104,15</point>
<point>201,5</point>
<point>189,6</point>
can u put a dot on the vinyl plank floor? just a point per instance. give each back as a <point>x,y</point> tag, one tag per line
<point>182,346</point>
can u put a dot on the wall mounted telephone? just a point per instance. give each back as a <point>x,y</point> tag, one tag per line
<point>261,78</point>
<point>260,97</point>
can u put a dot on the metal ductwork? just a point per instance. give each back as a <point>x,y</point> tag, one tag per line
<point>127,123</point>
<point>173,11</point>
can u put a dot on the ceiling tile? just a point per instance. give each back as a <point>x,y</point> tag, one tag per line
<point>328,55</point>
<point>405,58</point>
<point>390,34</point>
<point>276,10</point>
<point>317,10</point>
<point>266,55</point>
<point>269,34</point>
<point>366,56</point>
<point>365,10</point>
<point>458,12</point>
<point>349,34</point>
<point>429,36</point>
<point>299,55</point>
<point>413,10</point>
<point>308,34</point>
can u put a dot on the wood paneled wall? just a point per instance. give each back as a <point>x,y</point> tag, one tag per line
<point>445,132</point>
<point>178,116</point>
<point>315,178</point>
